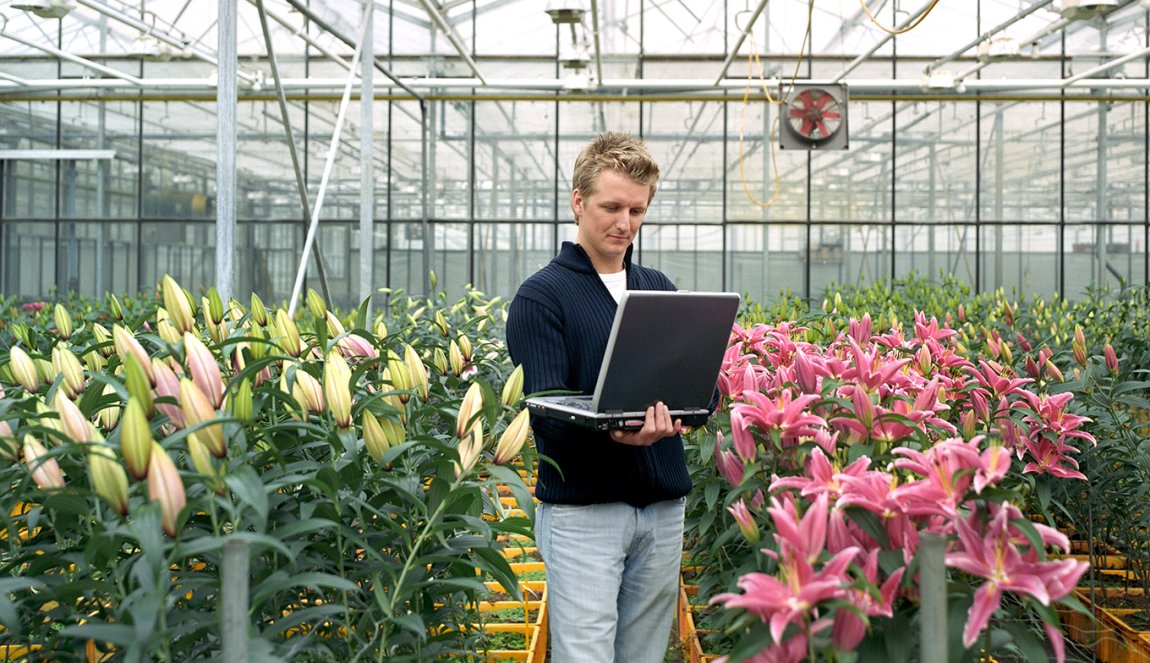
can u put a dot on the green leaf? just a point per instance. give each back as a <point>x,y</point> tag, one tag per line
<point>493,562</point>
<point>117,634</point>
<point>1024,640</point>
<point>280,581</point>
<point>757,639</point>
<point>246,486</point>
<point>869,522</point>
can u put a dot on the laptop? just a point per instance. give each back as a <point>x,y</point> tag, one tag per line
<point>664,346</point>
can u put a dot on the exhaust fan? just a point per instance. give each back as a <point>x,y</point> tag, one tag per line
<point>815,118</point>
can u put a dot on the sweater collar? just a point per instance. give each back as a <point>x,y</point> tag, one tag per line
<point>574,257</point>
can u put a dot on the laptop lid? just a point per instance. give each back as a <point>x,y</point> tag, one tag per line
<point>665,346</point>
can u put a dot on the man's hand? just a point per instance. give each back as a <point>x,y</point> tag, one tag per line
<point>657,425</point>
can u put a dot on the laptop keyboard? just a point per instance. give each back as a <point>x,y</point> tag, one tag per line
<point>583,403</point>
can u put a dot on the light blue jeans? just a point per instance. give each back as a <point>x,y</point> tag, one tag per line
<point>612,579</point>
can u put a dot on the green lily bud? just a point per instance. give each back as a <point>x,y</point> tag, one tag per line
<point>165,328</point>
<point>70,368</point>
<point>178,307</point>
<point>213,307</point>
<point>23,369</point>
<point>203,464</point>
<point>379,329</point>
<point>95,362</point>
<point>441,324</point>
<point>217,330</point>
<point>44,369</point>
<point>136,439</point>
<point>240,401</point>
<point>417,370</point>
<point>315,304</point>
<point>63,321</point>
<point>114,307</point>
<point>439,360</point>
<point>334,326</point>
<point>75,425</point>
<point>399,376</point>
<point>102,337</point>
<point>108,477</point>
<point>197,410</point>
<point>109,416</point>
<point>465,347</point>
<point>259,313</point>
<point>471,406</point>
<point>374,439</point>
<point>22,333</point>
<point>166,487</point>
<point>336,388</point>
<point>513,388</point>
<point>511,442</point>
<point>307,392</point>
<point>139,388</point>
<point>236,310</point>
<point>290,340</point>
<point>469,448</point>
<point>455,356</point>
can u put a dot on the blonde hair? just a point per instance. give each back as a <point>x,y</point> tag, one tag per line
<point>617,151</point>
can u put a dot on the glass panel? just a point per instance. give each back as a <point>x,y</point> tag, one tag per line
<point>29,265</point>
<point>848,254</point>
<point>186,251</point>
<point>763,182</point>
<point>405,154</point>
<point>507,253</point>
<point>452,257</point>
<point>96,257</point>
<point>515,160</point>
<point>1021,259</point>
<point>267,257</point>
<point>936,159</point>
<point>687,140</point>
<point>766,260</point>
<point>99,188</point>
<point>1104,255</point>
<point>930,251</point>
<point>691,256</point>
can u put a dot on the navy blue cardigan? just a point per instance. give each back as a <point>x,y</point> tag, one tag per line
<point>557,328</point>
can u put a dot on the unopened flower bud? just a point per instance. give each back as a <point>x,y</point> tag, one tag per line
<point>109,480</point>
<point>240,401</point>
<point>178,307</point>
<point>109,415</point>
<point>45,470</point>
<point>95,362</point>
<point>1031,368</point>
<point>63,321</point>
<point>1079,336</point>
<point>168,387</point>
<point>441,324</point>
<point>70,369</point>
<point>202,463</point>
<point>465,347</point>
<point>1052,371</point>
<point>114,307</point>
<point>204,369</point>
<point>259,313</point>
<point>213,307</point>
<point>315,304</point>
<point>136,439</point>
<point>1079,354</point>
<point>400,377</point>
<point>512,440</point>
<point>289,339</point>
<point>439,360</point>
<point>336,388</point>
<point>308,392</point>
<point>470,410</point>
<point>1111,358</point>
<point>747,525</point>
<point>455,359</point>
<point>469,448</point>
<point>198,410</point>
<point>75,425</point>
<point>127,344</point>
<point>513,388</point>
<point>374,438</point>
<point>417,371</point>
<point>23,369</point>
<point>379,329</point>
<point>166,487</point>
<point>334,326</point>
<point>103,339</point>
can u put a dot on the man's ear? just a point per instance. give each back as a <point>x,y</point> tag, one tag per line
<point>577,204</point>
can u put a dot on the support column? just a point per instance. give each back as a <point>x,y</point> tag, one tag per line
<point>366,160</point>
<point>226,102</point>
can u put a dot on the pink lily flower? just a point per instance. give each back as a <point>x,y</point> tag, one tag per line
<point>930,330</point>
<point>1050,458</point>
<point>849,628</point>
<point>997,379</point>
<point>730,467</point>
<point>784,415</point>
<point>822,477</point>
<point>860,330</point>
<point>946,477</point>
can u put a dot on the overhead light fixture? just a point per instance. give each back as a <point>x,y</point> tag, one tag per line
<point>938,79</point>
<point>997,49</point>
<point>565,11</point>
<point>1084,10</point>
<point>47,8</point>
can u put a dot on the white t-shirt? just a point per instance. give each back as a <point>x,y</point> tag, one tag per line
<point>616,283</point>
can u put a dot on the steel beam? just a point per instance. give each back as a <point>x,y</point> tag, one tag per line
<point>226,105</point>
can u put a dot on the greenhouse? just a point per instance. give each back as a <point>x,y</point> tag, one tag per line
<point>288,288</point>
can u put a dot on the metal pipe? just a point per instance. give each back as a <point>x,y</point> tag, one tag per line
<point>314,18</point>
<point>308,39</point>
<point>331,152</point>
<point>449,32</point>
<point>15,79</point>
<point>234,600</point>
<point>738,42</point>
<point>977,40</point>
<point>932,584</point>
<point>366,152</point>
<point>595,39</point>
<point>226,185</point>
<point>64,55</point>
<point>881,42</point>
<point>1106,66</point>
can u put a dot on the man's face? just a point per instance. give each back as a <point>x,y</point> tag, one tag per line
<point>610,218</point>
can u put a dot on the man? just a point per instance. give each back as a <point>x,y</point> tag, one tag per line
<point>610,525</point>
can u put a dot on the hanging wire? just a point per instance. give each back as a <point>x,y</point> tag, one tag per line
<point>898,31</point>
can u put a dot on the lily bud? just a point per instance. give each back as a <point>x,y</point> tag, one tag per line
<point>334,326</point>
<point>9,450</point>
<point>379,329</point>
<point>166,487</point>
<point>109,480</point>
<point>23,369</point>
<point>178,307</point>
<point>198,410</point>
<point>400,377</point>
<point>259,311</point>
<point>76,426</point>
<point>747,525</point>
<point>95,362</point>
<point>44,369</point>
<point>1079,354</point>
<point>1079,336</point>
<point>315,304</point>
<point>455,357</point>
<point>1111,358</point>
<point>336,388</point>
<point>165,328</point>
<point>417,370</point>
<point>513,388</point>
<point>109,415</point>
<point>126,344</point>
<point>439,360</point>
<point>217,330</point>
<point>1031,368</point>
<point>961,313</point>
<point>308,392</point>
<point>471,406</point>
<point>240,401</point>
<point>374,438</point>
<point>1052,371</point>
<point>236,310</point>
<point>213,307</point>
<point>1007,355</point>
<point>469,448</point>
<point>204,369</point>
<point>168,385</point>
<point>103,337</point>
<point>289,334</point>
<point>969,421</point>
<point>441,324</point>
<point>138,387</point>
<point>465,347</point>
<point>202,463</point>
<point>136,439</point>
<point>70,368</point>
<point>45,470</point>
<point>511,442</point>
<point>63,321</point>
<point>114,307</point>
